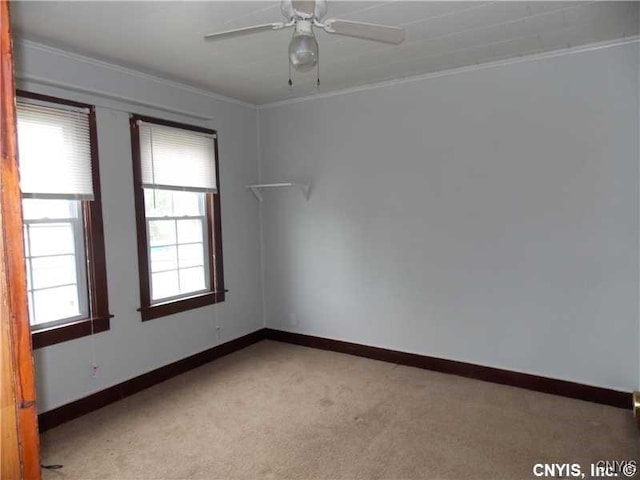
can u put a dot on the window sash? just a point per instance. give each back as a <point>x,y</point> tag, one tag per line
<point>79,255</point>
<point>206,253</point>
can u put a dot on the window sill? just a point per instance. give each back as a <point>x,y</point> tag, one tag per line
<point>69,331</point>
<point>182,305</point>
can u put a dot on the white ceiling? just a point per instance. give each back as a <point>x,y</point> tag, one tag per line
<point>165,38</point>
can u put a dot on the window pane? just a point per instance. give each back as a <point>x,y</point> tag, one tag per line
<point>158,203</point>
<point>189,231</point>
<point>188,204</point>
<point>192,280</point>
<point>36,209</point>
<point>173,203</point>
<point>53,271</point>
<point>164,285</point>
<point>191,255</point>
<point>56,303</point>
<point>163,258</point>
<point>177,258</point>
<point>26,241</point>
<point>31,310</point>
<point>51,239</point>
<point>162,232</point>
<point>28,274</point>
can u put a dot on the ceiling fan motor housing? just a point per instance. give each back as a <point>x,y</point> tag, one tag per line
<point>303,27</point>
<point>305,9</point>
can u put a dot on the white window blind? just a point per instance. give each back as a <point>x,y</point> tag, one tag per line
<point>177,159</point>
<point>54,147</point>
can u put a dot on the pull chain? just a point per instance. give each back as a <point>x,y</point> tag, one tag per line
<point>290,82</point>
<point>318,73</point>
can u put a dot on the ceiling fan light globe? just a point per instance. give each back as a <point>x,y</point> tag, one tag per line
<point>303,52</point>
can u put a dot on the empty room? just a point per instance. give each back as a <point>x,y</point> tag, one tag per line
<point>320,239</point>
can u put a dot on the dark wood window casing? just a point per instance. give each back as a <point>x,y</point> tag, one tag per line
<point>99,317</point>
<point>216,292</point>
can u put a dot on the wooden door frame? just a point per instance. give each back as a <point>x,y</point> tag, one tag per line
<point>20,441</point>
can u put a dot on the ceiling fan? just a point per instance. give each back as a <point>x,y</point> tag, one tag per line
<point>303,16</point>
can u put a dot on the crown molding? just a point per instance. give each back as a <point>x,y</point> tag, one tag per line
<point>99,98</point>
<point>129,71</point>
<point>369,86</point>
<point>456,71</point>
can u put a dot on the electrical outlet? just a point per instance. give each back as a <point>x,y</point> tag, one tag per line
<point>293,319</point>
<point>94,370</point>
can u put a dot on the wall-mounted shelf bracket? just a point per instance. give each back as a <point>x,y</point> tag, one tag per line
<point>256,189</point>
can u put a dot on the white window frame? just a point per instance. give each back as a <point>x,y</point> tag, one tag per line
<point>79,254</point>
<point>205,246</point>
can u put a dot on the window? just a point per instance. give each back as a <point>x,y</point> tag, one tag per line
<point>178,216</point>
<point>55,260</point>
<point>62,218</point>
<point>176,226</point>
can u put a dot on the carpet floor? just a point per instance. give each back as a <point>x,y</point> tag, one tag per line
<point>279,411</point>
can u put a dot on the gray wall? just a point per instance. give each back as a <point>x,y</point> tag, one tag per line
<point>132,347</point>
<point>489,216</point>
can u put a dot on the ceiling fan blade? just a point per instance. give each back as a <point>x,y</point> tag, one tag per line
<point>367,31</point>
<point>306,7</point>
<point>244,31</point>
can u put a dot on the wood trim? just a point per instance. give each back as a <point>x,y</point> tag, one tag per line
<point>94,234</point>
<point>176,306</point>
<point>149,311</point>
<point>100,399</point>
<point>10,457</point>
<point>215,229</point>
<point>49,99</point>
<point>536,383</point>
<point>94,246</point>
<point>11,454</point>
<point>20,440</point>
<point>85,405</point>
<point>138,197</point>
<point>170,123</point>
<point>69,331</point>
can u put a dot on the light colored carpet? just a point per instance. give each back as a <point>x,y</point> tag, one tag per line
<point>275,410</point>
